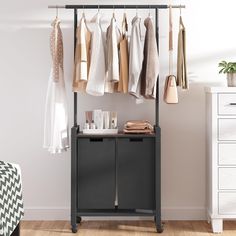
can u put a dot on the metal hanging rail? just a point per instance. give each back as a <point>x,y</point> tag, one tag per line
<point>115,6</point>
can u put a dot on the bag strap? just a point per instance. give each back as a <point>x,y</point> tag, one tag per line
<point>170,41</point>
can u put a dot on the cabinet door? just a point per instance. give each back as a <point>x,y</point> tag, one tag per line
<point>136,176</point>
<point>96,173</point>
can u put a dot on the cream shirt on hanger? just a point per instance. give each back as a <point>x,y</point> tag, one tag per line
<point>150,69</point>
<point>113,40</point>
<point>82,57</point>
<point>135,58</point>
<point>96,78</point>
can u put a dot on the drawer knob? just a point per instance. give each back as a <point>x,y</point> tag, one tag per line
<point>135,139</point>
<point>232,104</point>
<point>96,139</point>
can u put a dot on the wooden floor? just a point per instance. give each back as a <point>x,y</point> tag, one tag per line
<point>120,228</point>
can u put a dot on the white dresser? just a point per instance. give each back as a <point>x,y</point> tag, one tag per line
<point>221,155</point>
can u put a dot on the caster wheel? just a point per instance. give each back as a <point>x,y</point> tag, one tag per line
<point>74,230</point>
<point>79,219</point>
<point>160,230</point>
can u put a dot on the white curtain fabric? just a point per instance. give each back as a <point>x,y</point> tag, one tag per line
<point>56,135</point>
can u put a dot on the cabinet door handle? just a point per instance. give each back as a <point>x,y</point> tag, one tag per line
<point>232,104</point>
<point>135,139</point>
<point>96,139</point>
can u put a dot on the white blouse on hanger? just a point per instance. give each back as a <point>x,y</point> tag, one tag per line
<point>96,78</point>
<point>135,58</point>
<point>113,40</point>
<point>56,134</point>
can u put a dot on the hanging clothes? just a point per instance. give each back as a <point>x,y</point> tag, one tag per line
<point>56,134</point>
<point>82,57</point>
<point>135,58</point>
<point>96,78</point>
<point>150,69</point>
<point>182,79</point>
<point>113,40</point>
<point>124,58</point>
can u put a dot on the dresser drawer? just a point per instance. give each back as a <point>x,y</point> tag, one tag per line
<point>227,203</point>
<point>227,104</point>
<point>227,154</point>
<point>227,178</point>
<point>227,129</point>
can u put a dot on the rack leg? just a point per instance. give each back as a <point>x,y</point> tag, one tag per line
<point>74,228</point>
<point>74,179</point>
<point>159,225</point>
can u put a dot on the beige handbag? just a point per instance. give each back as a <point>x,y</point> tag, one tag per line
<point>170,88</point>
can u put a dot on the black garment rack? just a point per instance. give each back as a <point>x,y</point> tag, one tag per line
<point>75,133</point>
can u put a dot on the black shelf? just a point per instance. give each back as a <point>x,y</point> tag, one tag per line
<point>115,212</point>
<point>119,135</point>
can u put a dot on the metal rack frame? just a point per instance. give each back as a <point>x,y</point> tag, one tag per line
<point>75,217</point>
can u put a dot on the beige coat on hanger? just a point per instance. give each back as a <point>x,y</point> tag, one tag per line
<point>124,58</point>
<point>182,79</point>
<point>82,57</point>
<point>150,69</point>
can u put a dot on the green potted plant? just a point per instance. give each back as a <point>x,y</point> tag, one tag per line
<point>229,68</point>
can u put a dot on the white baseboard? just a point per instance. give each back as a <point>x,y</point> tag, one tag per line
<point>168,213</point>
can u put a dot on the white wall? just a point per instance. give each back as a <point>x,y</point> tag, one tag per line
<point>24,70</point>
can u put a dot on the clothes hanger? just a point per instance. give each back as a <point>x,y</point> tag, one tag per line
<point>180,16</point>
<point>113,14</point>
<point>136,11</point>
<point>124,23</point>
<point>56,12</point>
<point>149,13</point>
<point>56,20</point>
<point>98,14</point>
<point>83,14</point>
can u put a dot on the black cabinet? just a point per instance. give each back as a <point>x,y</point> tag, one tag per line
<point>116,173</point>
<point>136,173</point>
<point>96,173</point>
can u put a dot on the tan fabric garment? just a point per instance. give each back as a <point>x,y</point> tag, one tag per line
<point>56,47</point>
<point>82,57</point>
<point>124,58</point>
<point>137,131</point>
<point>138,126</point>
<point>182,79</point>
<point>112,74</point>
<point>150,68</point>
